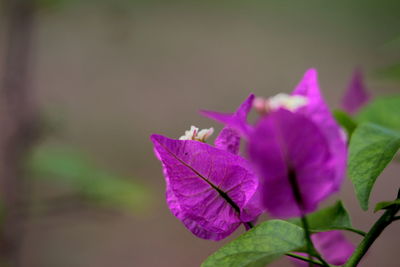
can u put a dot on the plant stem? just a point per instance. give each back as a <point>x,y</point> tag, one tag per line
<point>357,231</point>
<point>299,200</point>
<point>387,218</point>
<point>310,245</point>
<point>296,256</point>
<point>309,242</point>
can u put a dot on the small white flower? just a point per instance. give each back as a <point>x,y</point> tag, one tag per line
<point>204,134</point>
<point>289,102</point>
<point>195,134</point>
<point>191,134</point>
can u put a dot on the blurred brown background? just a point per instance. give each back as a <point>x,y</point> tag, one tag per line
<point>118,71</point>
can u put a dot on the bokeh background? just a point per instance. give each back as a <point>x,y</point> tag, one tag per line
<point>107,74</point>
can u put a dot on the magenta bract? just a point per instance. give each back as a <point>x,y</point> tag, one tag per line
<point>356,94</point>
<point>333,246</point>
<point>289,148</point>
<point>210,190</point>
<point>228,140</point>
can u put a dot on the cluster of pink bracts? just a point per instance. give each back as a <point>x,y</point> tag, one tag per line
<point>296,157</point>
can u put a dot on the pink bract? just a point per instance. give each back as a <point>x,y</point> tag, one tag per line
<point>356,94</point>
<point>333,246</point>
<point>210,190</point>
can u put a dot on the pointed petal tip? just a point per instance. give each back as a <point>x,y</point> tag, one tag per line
<point>246,106</point>
<point>154,137</point>
<point>356,94</point>
<point>218,116</point>
<point>251,96</point>
<point>311,73</point>
<point>157,138</point>
<point>308,85</point>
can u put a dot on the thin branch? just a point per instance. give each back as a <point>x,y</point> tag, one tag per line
<point>350,229</point>
<point>296,256</point>
<point>310,245</point>
<point>386,219</point>
<point>307,234</point>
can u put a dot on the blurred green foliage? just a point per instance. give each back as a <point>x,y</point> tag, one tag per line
<point>391,72</point>
<point>345,121</point>
<point>329,218</point>
<point>391,48</point>
<point>373,144</point>
<point>71,167</point>
<point>386,10</point>
<point>371,149</point>
<point>386,204</point>
<point>384,111</point>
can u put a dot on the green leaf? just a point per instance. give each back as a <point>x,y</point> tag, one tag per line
<point>391,72</point>
<point>384,111</point>
<point>386,204</point>
<point>371,149</point>
<point>96,185</point>
<point>329,218</point>
<point>345,121</point>
<point>259,246</point>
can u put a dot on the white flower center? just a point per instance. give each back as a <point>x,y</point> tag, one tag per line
<point>289,102</point>
<point>195,134</point>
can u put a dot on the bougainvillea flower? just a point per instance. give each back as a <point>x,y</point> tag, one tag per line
<point>209,189</point>
<point>295,143</point>
<point>356,94</point>
<point>333,246</point>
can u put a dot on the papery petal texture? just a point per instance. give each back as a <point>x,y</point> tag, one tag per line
<point>333,246</point>
<point>318,111</point>
<point>287,146</point>
<point>207,188</point>
<point>237,120</point>
<point>356,94</point>
<point>228,140</point>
